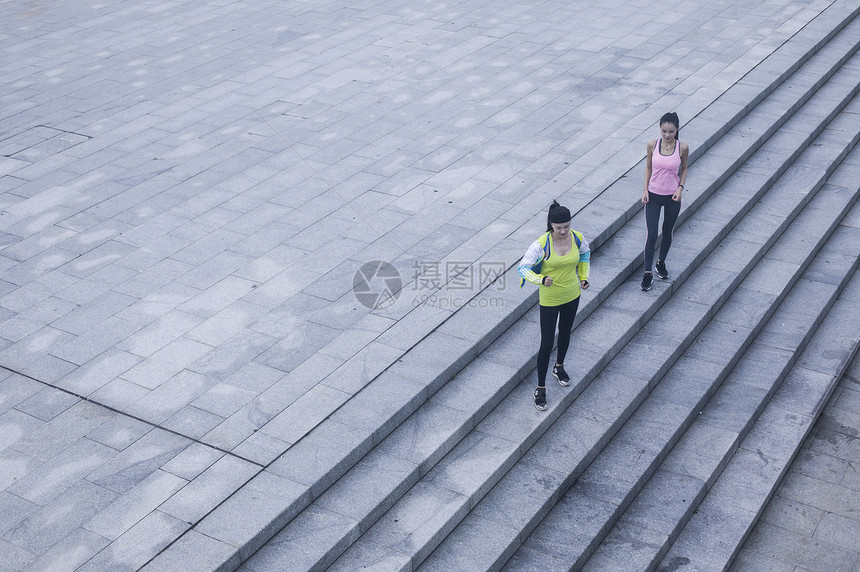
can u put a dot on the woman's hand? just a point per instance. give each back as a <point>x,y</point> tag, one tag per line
<point>583,284</point>
<point>547,281</point>
<point>645,198</point>
<point>677,194</point>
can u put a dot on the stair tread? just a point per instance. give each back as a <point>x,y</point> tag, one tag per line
<point>487,499</point>
<point>770,446</point>
<point>727,416</point>
<point>424,461</point>
<point>610,472</point>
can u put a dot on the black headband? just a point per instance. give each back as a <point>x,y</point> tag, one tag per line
<point>559,215</point>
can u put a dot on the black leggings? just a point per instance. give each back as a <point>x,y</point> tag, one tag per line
<point>652,218</point>
<point>549,316</point>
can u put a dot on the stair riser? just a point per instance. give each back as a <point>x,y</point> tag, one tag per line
<point>569,398</point>
<point>752,334</point>
<point>482,344</point>
<point>703,402</point>
<point>824,398</point>
<point>764,402</point>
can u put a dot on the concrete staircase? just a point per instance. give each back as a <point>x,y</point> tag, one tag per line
<point>687,402</point>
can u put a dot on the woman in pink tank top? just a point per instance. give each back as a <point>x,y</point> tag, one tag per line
<point>665,173</point>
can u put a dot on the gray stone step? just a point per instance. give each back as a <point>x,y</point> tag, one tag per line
<point>508,414</point>
<point>646,529</point>
<point>810,522</point>
<point>742,490</point>
<point>337,498</point>
<point>328,451</point>
<point>611,480</point>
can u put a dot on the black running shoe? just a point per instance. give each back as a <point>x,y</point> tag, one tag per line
<point>561,375</point>
<point>661,270</point>
<point>540,398</point>
<point>646,282</point>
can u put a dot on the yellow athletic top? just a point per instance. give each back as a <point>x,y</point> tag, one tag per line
<point>566,271</point>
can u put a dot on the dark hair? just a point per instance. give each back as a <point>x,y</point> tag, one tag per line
<point>672,118</point>
<point>557,214</point>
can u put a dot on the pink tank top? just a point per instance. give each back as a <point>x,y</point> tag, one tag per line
<point>664,170</point>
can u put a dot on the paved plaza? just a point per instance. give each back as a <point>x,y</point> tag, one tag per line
<point>197,199</point>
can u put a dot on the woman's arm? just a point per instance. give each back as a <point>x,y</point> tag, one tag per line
<point>584,265</point>
<point>648,169</point>
<point>682,175</point>
<point>532,255</point>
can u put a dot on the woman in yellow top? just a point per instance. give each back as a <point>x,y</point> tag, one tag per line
<point>564,259</point>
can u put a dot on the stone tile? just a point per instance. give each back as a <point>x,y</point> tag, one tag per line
<point>471,466</point>
<point>134,505</point>
<point>192,422</point>
<point>358,370</point>
<point>626,545</point>
<point>709,534</point>
<point>119,432</point>
<point>295,421</point>
<point>194,551</point>
<point>839,531</point>
<point>71,552</point>
<point>254,377</point>
<point>95,341</point>
<point>15,389</point>
<point>225,323</point>
<point>209,489</point>
<point>192,461</point>
<point>289,549</point>
<point>63,471</point>
<point>14,510</point>
<point>14,425</point>
<point>734,405</point>
<point>260,448</point>
<point>491,539</point>
<point>155,370</point>
<point>96,311</point>
<point>521,495</point>
<point>252,515</point>
<point>97,372</point>
<point>792,515</point>
<point>427,435</point>
<point>14,558</point>
<point>323,455</point>
<point>301,344</point>
<point>159,334</point>
<point>810,554</point>
<point>756,562</point>
<point>382,405</point>
<point>171,397</point>
<point>848,399</point>
<point>23,353</point>
<point>119,394</point>
<point>362,493</point>
<point>56,520</point>
<point>369,554</point>
<point>224,399</point>
<point>570,527</point>
<point>819,494</point>
<point>138,545</point>
<point>135,463</point>
<point>421,517</point>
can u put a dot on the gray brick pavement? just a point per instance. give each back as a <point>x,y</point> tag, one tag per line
<point>186,191</point>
